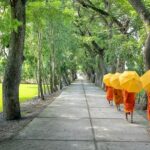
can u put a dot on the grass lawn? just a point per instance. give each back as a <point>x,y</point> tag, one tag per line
<point>27,91</point>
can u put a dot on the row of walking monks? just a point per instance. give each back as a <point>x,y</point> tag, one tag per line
<point>127,98</point>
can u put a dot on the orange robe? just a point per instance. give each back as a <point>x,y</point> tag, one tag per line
<point>148,106</point>
<point>117,97</point>
<point>109,93</point>
<point>129,101</point>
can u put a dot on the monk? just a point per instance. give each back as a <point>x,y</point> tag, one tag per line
<point>118,98</point>
<point>129,103</point>
<point>109,94</point>
<point>148,106</point>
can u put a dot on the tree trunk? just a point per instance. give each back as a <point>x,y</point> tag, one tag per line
<point>45,79</point>
<point>53,66</point>
<point>102,64</point>
<point>44,86</point>
<point>141,9</point>
<point>103,68</point>
<point>98,72</point>
<point>92,76</point>
<point>65,80</point>
<point>147,53</point>
<point>36,77</point>
<point>40,87</point>
<point>47,86</point>
<point>120,65</point>
<point>61,82</point>
<point>144,13</point>
<point>12,76</point>
<point>51,73</point>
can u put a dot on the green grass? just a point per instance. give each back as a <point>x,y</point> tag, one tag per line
<point>27,91</point>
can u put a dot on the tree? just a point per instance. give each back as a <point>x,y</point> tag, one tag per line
<point>144,13</point>
<point>15,60</point>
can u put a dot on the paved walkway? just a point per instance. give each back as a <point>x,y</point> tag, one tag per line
<point>81,119</point>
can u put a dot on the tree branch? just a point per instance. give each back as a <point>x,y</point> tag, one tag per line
<point>141,9</point>
<point>89,4</point>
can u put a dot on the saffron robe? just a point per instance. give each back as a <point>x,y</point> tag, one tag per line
<point>148,106</point>
<point>117,97</point>
<point>109,93</point>
<point>129,102</point>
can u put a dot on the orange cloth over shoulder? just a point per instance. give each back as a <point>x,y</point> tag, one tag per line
<point>118,96</point>
<point>109,93</point>
<point>129,101</point>
<point>148,106</point>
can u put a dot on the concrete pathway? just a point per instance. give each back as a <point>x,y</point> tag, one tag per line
<point>81,119</point>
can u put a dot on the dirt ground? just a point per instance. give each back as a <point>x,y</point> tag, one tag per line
<point>29,111</point>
